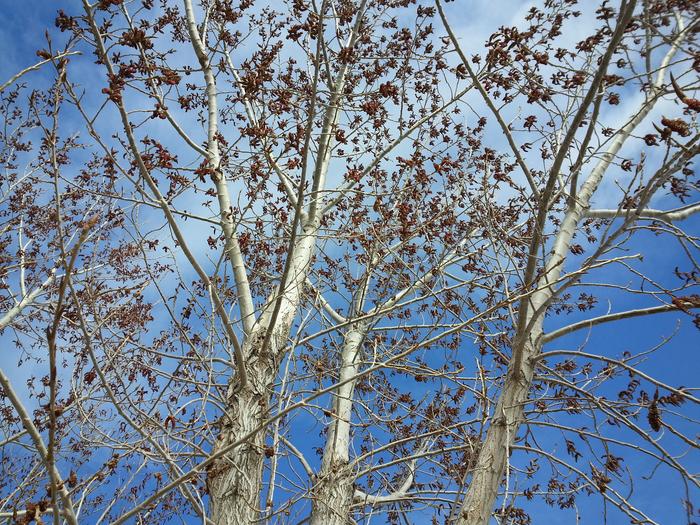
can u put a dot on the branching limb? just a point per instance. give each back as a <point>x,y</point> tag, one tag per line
<point>34,433</point>
<point>624,365</point>
<point>294,450</point>
<point>35,67</point>
<point>450,258</point>
<point>401,492</point>
<point>668,216</point>
<point>343,190</point>
<point>335,315</point>
<point>233,249</point>
<point>163,203</point>
<point>27,300</point>
<point>588,323</point>
<point>248,104</point>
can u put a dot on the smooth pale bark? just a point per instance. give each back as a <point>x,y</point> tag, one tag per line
<point>36,66</point>
<point>669,216</point>
<point>508,413</point>
<point>232,246</point>
<point>333,493</point>
<point>235,481</point>
<point>27,300</point>
<point>491,464</point>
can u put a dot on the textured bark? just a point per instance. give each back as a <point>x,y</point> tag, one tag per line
<point>333,495</point>
<point>508,414</point>
<point>235,480</point>
<point>335,492</point>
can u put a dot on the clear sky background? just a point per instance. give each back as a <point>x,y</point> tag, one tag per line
<point>21,34</point>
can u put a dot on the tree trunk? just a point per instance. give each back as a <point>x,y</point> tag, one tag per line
<point>334,489</point>
<point>235,480</point>
<point>491,463</point>
<point>333,495</point>
<point>481,496</point>
<point>508,415</point>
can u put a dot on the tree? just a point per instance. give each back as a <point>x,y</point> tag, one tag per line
<point>306,263</point>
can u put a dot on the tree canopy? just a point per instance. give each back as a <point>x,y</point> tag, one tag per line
<point>350,261</point>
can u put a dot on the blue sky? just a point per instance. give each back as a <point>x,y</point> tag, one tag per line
<point>676,363</point>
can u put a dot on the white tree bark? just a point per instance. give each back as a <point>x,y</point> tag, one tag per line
<point>668,216</point>
<point>236,451</point>
<point>478,504</point>
<point>27,300</point>
<point>235,481</point>
<point>333,492</point>
<point>232,246</point>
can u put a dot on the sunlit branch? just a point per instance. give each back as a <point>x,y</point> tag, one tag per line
<point>241,372</point>
<point>39,444</point>
<point>36,66</point>
<point>233,249</point>
<point>589,323</point>
<point>669,216</point>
